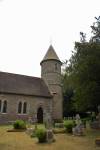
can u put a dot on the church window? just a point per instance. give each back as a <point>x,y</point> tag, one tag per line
<point>4,107</point>
<point>0,105</point>
<point>24,107</point>
<point>20,107</point>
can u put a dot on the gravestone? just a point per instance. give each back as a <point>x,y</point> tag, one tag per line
<point>29,122</point>
<point>96,123</point>
<point>78,129</point>
<point>49,136</point>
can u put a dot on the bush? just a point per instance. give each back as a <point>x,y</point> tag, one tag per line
<point>19,124</point>
<point>59,131</point>
<point>58,121</point>
<point>41,135</point>
<point>59,125</point>
<point>69,125</point>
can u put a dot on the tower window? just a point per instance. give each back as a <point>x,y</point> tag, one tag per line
<point>56,66</point>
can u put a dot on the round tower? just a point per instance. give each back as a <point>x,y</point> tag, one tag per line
<point>51,73</point>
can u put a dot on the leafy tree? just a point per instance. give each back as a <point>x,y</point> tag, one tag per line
<point>67,92</point>
<point>96,30</point>
<point>81,79</point>
<point>85,74</point>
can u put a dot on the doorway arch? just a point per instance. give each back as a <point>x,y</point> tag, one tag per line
<point>40,115</point>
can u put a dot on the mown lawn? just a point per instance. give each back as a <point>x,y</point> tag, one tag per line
<point>22,141</point>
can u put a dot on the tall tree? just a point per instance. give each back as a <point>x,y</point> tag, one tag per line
<point>96,30</point>
<point>85,73</point>
<point>82,73</point>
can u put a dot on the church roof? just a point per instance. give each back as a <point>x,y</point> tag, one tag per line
<point>51,54</point>
<point>21,84</point>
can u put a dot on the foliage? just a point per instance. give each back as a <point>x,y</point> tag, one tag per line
<point>58,121</point>
<point>19,124</point>
<point>69,124</point>
<point>81,76</point>
<point>59,130</point>
<point>85,73</point>
<point>59,125</point>
<point>41,135</point>
<point>96,30</point>
<point>67,92</point>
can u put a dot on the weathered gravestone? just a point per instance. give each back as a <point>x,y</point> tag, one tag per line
<point>78,129</point>
<point>96,123</point>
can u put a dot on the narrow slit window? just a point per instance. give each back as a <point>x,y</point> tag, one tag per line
<point>19,107</point>
<point>56,66</point>
<point>24,108</point>
<point>4,107</point>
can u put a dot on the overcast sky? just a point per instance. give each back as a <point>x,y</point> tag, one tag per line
<point>27,28</point>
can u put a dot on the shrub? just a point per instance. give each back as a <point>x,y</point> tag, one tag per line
<point>69,125</point>
<point>19,124</point>
<point>41,135</point>
<point>58,121</point>
<point>58,131</point>
<point>59,125</point>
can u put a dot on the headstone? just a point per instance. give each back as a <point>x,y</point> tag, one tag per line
<point>79,128</point>
<point>50,136</point>
<point>29,122</point>
<point>95,124</point>
<point>30,131</point>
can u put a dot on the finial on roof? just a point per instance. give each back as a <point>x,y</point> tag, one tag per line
<point>51,40</point>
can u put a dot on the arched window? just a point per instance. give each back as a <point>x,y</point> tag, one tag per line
<point>0,105</point>
<point>4,107</point>
<point>24,108</point>
<point>20,107</point>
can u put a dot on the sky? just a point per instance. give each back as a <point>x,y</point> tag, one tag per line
<point>28,27</point>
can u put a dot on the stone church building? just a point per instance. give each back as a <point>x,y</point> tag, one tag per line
<point>23,96</point>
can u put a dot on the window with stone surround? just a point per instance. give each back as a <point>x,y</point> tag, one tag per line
<point>22,107</point>
<point>4,108</point>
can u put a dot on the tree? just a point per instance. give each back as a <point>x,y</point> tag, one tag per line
<point>85,74</point>
<point>67,93</point>
<point>82,73</point>
<point>96,30</point>
<point>82,37</point>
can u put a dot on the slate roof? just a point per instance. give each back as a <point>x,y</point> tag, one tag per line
<point>50,55</point>
<point>21,84</point>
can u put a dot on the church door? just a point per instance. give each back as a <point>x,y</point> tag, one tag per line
<point>40,115</point>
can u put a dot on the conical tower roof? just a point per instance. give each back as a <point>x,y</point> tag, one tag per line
<point>50,55</point>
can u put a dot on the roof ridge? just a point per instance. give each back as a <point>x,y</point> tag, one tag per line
<point>19,74</point>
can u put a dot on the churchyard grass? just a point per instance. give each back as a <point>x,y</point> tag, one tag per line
<point>22,141</point>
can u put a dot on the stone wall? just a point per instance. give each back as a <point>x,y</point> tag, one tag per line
<point>33,103</point>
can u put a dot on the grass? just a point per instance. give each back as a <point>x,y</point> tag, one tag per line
<point>22,141</point>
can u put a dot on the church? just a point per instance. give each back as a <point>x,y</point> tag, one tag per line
<point>24,96</point>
